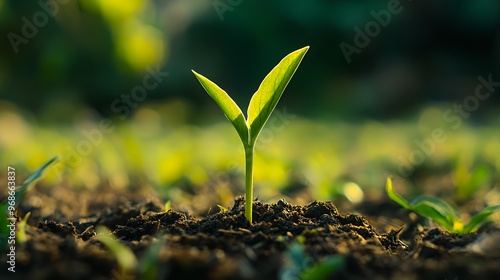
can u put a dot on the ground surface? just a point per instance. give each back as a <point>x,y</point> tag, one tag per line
<point>62,245</point>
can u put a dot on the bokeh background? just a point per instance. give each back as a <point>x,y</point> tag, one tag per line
<point>343,124</point>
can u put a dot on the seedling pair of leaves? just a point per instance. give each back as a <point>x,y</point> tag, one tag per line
<point>441,212</point>
<point>259,110</point>
<point>19,193</point>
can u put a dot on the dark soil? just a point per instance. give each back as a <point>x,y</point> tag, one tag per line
<point>62,245</point>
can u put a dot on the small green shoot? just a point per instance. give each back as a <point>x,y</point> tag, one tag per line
<point>299,265</point>
<point>259,110</point>
<point>167,206</point>
<point>441,212</point>
<point>222,208</point>
<point>148,267</point>
<point>124,256</point>
<point>21,229</point>
<point>469,180</point>
<point>7,209</point>
<point>323,269</point>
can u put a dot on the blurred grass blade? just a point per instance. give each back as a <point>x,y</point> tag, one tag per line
<point>149,267</point>
<point>469,184</point>
<point>395,196</point>
<point>21,229</point>
<point>32,178</point>
<point>480,217</point>
<point>20,191</point>
<point>227,104</point>
<point>270,90</point>
<point>323,269</point>
<point>124,256</point>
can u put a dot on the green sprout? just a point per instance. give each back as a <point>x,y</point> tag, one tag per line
<point>441,212</point>
<point>470,180</point>
<point>21,229</point>
<point>147,267</point>
<point>260,108</point>
<point>222,209</point>
<point>8,207</point>
<point>168,206</point>
<point>299,264</point>
<point>124,256</point>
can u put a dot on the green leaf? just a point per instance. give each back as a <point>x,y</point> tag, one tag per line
<point>32,178</point>
<point>395,196</point>
<point>429,208</point>
<point>270,90</point>
<point>149,267</point>
<point>124,256</point>
<point>20,191</point>
<point>21,229</point>
<point>228,106</point>
<point>466,187</point>
<point>323,269</point>
<point>222,208</point>
<point>480,218</point>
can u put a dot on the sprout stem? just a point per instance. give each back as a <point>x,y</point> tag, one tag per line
<point>249,181</point>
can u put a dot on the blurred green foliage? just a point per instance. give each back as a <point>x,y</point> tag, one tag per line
<point>92,51</point>
<point>330,159</point>
<point>349,123</point>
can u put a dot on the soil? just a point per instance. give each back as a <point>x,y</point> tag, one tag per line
<point>281,242</point>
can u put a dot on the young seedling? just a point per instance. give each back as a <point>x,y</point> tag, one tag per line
<point>260,108</point>
<point>124,256</point>
<point>8,207</point>
<point>298,264</point>
<point>469,181</point>
<point>21,229</point>
<point>441,212</point>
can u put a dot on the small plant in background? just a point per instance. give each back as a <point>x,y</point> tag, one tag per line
<point>21,229</point>
<point>441,212</point>
<point>260,108</point>
<point>470,180</point>
<point>124,256</point>
<point>299,265</point>
<point>7,205</point>
<point>147,267</point>
<point>168,206</point>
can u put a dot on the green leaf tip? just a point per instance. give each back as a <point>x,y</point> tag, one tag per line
<point>31,179</point>
<point>480,218</point>
<point>270,90</point>
<point>123,254</point>
<point>231,110</point>
<point>395,196</point>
